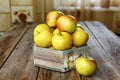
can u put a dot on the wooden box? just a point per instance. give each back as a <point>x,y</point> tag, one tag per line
<point>57,60</point>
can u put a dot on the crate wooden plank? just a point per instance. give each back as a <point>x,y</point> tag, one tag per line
<point>19,65</point>
<point>57,60</point>
<point>48,54</point>
<point>9,40</point>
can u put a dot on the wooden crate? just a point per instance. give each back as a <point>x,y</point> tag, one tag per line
<point>57,60</point>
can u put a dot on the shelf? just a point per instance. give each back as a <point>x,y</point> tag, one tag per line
<point>115,9</point>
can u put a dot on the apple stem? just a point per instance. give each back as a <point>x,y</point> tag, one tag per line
<point>38,31</point>
<point>60,33</point>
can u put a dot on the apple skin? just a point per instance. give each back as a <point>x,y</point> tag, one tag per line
<point>62,41</point>
<point>39,28</point>
<point>66,23</point>
<point>86,66</point>
<point>43,39</point>
<point>52,16</point>
<point>80,37</point>
<point>56,31</point>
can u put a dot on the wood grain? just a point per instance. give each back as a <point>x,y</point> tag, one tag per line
<point>107,39</point>
<point>19,66</point>
<point>45,74</point>
<point>107,65</point>
<point>9,40</point>
<point>16,55</point>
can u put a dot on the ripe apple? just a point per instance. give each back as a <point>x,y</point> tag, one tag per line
<point>39,28</point>
<point>56,31</point>
<point>43,38</point>
<point>86,66</point>
<point>62,41</point>
<point>66,23</point>
<point>52,17</point>
<point>80,37</point>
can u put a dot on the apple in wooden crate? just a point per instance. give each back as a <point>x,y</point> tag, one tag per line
<point>52,17</point>
<point>42,36</point>
<point>66,23</point>
<point>57,41</point>
<point>39,28</point>
<point>80,37</point>
<point>62,41</point>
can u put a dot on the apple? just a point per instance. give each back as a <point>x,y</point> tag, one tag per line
<point>86,66</point>
<point>39,28</point>
<point>52,16</point>
<point>56,31</point>
<point>66,23</point>
<point>62,41</point>
<point>80,37</point>
<point>43,39</point>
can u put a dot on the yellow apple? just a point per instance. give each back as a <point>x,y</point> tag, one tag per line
<point>86,66</point>
<point>66,23</point>
<point>43,39</point>
<point>62,41</point>
<point>52,17</point>
<point>39,28</point>
<point>80,37</point>
<point>56,31</point>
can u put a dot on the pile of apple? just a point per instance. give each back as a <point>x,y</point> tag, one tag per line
<point>60,32</point>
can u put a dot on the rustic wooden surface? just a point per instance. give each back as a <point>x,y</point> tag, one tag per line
<point>16,58</point>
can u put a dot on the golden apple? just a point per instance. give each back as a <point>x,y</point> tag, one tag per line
<point>43,39</point>
<point>80,37</point>
<point>52,16</point>
<point>39,28</point>
<point>56,31</point>
<point>62,41</point>
<point>66,23</point>
<point>86,66</point>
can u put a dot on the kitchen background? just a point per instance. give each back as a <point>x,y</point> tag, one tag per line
<point>15,11</point>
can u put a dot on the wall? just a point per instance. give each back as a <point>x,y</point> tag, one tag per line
<point>5,20</point>
<point>42,11</point>
<point>33,11</point>
<point>14,11</point>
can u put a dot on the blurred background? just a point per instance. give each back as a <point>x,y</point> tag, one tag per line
<point>15,11</point>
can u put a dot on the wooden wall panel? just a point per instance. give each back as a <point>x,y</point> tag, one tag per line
<point>21,2</point>
<point>5,22</point>
<point>4,6</point>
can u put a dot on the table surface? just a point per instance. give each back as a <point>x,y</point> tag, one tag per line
<point>16,58</point>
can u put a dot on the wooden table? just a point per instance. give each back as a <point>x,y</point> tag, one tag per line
<point>16,58</point>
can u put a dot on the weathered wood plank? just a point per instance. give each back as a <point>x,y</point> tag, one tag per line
<point>19,65</point>
<point>107,67</point>
<point>45,74</point>
<point>108,40</point>
<point>9,40</point>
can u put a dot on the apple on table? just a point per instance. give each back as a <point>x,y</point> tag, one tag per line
<point>86,66</point>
